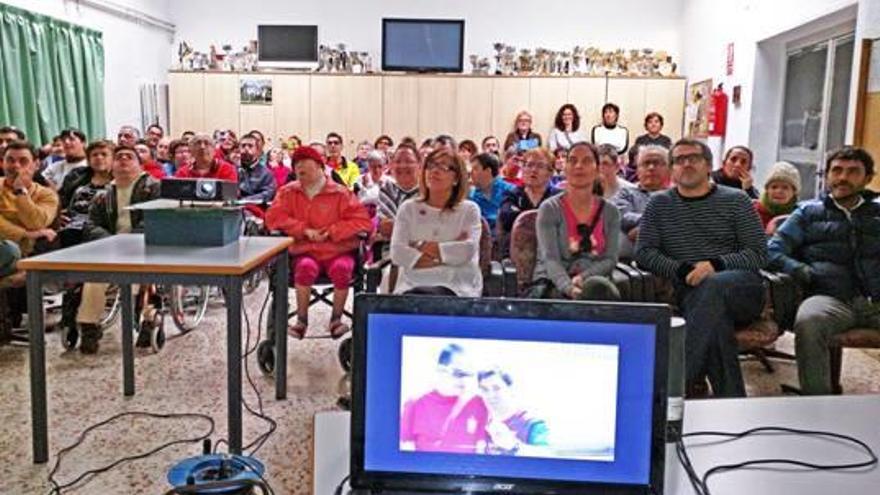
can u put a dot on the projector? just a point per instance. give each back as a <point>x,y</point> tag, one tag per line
<point>198,190</point>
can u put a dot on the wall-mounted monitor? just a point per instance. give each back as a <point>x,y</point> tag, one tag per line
<point>290,47</point>
<point>422,45</point>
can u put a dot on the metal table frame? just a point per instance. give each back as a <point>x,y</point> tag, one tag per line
<point>232,284</point>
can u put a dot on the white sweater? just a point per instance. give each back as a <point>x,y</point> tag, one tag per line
<point>460,271</point>
<point>561,139</point>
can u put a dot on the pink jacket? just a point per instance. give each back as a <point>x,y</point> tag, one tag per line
<point>334,209</point>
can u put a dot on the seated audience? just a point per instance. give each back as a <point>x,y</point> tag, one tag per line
<point>367,186</point>
<point>205,163</point>
<point>404,184</point>
<point>653,176</point>
<point>490,145</point>
<point>180,155</point>
<point>148,164</point>
<point>513,161</point>
<point>79,190</point>
<point>578,234</point>
<point>56,152</point>
<point>261,154</point>
<point>736,171</point>
<point>226,145</point>
<point>831,245</point>
<point>560,157</point>
<point>536,188</point>
<point>654,136</point>
<point>324,219</point>
<point>467,149</point>
<point>384,144</point>
<point>780,193</point>
<point>255,181</point>
<point>609,171</point>
<point>425,149</point>
<point>610,132</point>
<point>566,130</point>
<point>74,142</point>
<point>154,134</point>
<point>488,188</point>
<point>348,171</point>
<point>708,241</point>
<point>163,154</point>
<point>276,166</point>
<point>522,137</point>
<point>9,134</point>
<point>109,215</point>
<point>128,135</point>
<point>363,148</point>
<point>445,141</point>
<point>436,238</point>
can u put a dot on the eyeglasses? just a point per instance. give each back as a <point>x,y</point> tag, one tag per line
<point>535,165</point>
<point>586,244</point>
<point>441,167</point>
<point>693,158</point>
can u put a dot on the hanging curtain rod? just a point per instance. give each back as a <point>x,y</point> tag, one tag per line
<point>128,13</point>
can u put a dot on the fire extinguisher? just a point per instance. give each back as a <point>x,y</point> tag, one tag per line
<point>718,112</point>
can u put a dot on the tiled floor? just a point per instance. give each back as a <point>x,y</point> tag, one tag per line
<point>189,375</point>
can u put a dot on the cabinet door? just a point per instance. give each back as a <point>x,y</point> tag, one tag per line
<point>328,109</point>
<point>666,97</point>
<point>400,107</point>
<point>291,101</point>
<point>474,103</point>
<point>437,105</point>
<point>258,117</point>
<point>363,112</point>
<point>187,102</point>
<point>629,95</point>
<point>509,96</point>
<point>547,94</point>
<point>588,95</point>
<point>221,102</point>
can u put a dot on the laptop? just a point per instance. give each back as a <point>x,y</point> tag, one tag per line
<point>489,396</point>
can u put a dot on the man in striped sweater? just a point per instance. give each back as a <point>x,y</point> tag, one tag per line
<point>707,239</point>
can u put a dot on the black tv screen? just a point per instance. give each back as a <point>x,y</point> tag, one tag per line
<point>422,45</point>
<point>288,43</point>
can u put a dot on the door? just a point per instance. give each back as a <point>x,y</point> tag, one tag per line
<point>817,82</point>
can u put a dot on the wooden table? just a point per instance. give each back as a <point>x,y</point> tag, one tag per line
<point>124,260</point>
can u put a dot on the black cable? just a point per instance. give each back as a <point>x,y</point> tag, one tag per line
<point>57,487</point>
<point>341,485</point>
<point>258,443</point>
<point>701,486</point>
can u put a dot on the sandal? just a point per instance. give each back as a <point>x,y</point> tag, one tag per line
<point>337,329</point>
<point>298,329</point>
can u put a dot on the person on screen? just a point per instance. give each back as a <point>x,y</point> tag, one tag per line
<point>450,418</point>
<point>510,425</point>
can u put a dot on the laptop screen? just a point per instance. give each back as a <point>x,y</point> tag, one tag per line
<point>449,396</point>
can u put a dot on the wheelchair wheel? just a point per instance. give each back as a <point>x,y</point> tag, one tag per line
<point>157,337</point>
<point>266,357</point>
<point>188,306</point>
<point>112,307</point>
<point>344,354</point>
<point>69,336</point>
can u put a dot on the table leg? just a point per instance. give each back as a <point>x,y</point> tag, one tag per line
<point>233,361</point>
<point>39,410</point>
<point>127,340</point>
<point>279,293</point>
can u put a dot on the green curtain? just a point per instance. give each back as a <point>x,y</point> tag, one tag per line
<point>51,75</point>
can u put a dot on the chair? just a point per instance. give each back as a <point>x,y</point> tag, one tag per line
<point>855,338</point>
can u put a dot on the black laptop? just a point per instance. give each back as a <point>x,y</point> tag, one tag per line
<point>456,395</point>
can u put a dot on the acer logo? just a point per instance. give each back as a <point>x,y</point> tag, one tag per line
<point>504,487</point>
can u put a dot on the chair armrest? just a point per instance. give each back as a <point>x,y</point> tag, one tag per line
<point>493,285</point>
<point>509,278</point>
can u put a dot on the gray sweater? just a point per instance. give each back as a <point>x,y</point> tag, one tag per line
<point>555,260</point>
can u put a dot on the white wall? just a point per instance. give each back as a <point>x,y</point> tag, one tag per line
<point>134,53</point>
<point>709,26</point>
<point>555,24</point>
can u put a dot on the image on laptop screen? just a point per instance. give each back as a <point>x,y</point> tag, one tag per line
<point>534,395</point>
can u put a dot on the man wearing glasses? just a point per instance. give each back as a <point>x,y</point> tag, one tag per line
<point>348,171</point>
<point>707,239</point>
<point>653,174</point>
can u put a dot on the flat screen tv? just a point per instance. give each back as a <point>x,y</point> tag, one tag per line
<point>288,46</point>
<point>422,45</point>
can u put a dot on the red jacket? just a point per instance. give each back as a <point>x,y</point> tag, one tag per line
<point>153,168</point>
<point>219,170</point>
<point>334,209</point>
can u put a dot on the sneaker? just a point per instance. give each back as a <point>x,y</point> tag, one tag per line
<point>298,329</point>
<point>90,336</point>
<point>337,329</point>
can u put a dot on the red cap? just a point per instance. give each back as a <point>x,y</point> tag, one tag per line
<point>307,153</point>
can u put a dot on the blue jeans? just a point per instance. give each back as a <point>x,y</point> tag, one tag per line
<point>9,256</point>
<point>713,310</point>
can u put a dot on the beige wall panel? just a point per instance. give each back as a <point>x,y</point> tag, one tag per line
<point>666,97</point>
<point>474,103</point>
<point>547,94</point>
<point>221,102</point>
<point>187,101</point>
<point>363,101</point>
<point>437,106</point>
<point>509,95</point>
<point>871,133</point>
<point>260,117</point>
<point>328,100</point>
<point>290,94</point>
<point>588,95</point>
<point>629,95</point>
<point>400,107</point>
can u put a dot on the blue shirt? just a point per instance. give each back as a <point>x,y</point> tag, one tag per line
<point>489,206</point>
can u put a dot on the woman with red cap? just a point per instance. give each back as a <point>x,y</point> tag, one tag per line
<point>324,219</point>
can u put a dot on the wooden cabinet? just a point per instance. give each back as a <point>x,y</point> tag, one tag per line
<point>361,107</point>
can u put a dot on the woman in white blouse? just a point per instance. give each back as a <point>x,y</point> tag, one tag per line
<point>436,237</point>
<point>566,130</point>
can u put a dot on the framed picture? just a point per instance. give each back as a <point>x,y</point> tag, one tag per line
<point>256,92</point>
<point>697,111</point>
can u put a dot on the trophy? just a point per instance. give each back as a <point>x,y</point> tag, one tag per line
<point>343,62</point>
<point>184,55</point>
<point>499,49</point>
<point>474,60</point>
<point>355,63</point>
<point>367,61</point>
<point>577,60</point>
<point>508,60</point>
<point>524,64</point>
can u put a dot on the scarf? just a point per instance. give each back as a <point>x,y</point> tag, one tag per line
<point>776,210</point>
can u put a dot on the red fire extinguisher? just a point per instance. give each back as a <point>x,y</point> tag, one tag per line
<point>718,112</point>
